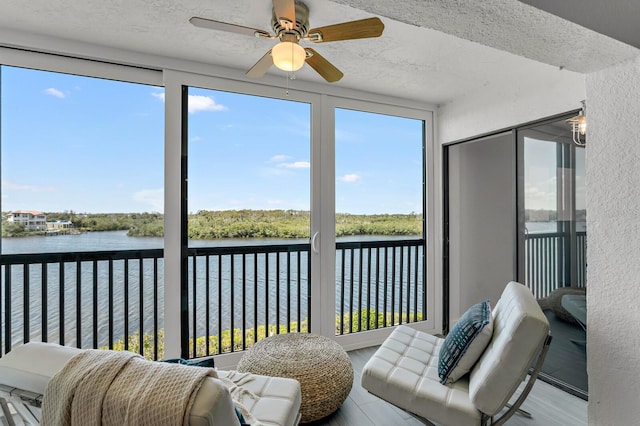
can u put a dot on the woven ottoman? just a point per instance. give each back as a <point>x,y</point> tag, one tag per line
<point>321,366</point>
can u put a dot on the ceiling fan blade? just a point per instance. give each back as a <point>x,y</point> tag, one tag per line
<point>262,66</point>
<point>223,26</point>
<point>285,9</point>
<point>322,66</point>
<point>363,28</point>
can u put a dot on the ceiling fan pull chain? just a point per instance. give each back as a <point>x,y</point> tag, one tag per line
<point>286,77</point>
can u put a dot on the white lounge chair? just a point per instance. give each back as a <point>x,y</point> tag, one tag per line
<point>404,370</point>
<point>26,370</point>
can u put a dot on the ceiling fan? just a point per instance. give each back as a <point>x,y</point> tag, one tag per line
<point>290,23</point>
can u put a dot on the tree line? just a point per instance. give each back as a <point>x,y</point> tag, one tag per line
<point>542,215</point>
<point>210,224</point>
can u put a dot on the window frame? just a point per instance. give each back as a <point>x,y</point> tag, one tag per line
<point>323,100</point>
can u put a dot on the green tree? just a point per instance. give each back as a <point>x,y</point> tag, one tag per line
<point>12,229</point>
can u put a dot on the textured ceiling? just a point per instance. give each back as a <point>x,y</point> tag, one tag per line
<point>511,26</point>
<point>616,18</point>
<point>431,51</point>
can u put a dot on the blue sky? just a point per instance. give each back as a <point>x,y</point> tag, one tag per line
<point>75,143</point>
<point>91,145</point>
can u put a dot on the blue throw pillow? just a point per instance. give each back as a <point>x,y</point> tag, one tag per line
<point>241,419</point>
<point>197,362</point>
<point>466,342</point>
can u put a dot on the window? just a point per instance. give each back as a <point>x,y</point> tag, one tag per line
<point>249,218</point>
<point>379,220</point>
<point>253,176</point>
<point>84,150</point>
<point>82,202</point>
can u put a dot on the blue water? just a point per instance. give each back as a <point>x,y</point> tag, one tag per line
<point>240,296</point>
<point>112,240</point>
<point>118,240</point>
<point>547,227</point>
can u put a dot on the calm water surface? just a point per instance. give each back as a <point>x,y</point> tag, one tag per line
<point>79,283</point>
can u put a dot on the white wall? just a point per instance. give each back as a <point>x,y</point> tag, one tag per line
<point>613,225</point>
<point>492,108</point>
<point>482,223</point>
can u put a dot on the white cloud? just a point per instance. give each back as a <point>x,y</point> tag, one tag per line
<point>278,158</point>
<point>12,186</point>
<point>197,103</point>
<point>351,178</point>
<point>296,165</point>
<point>54,92</point>
<point>536,197</point>
<point>152,197</point>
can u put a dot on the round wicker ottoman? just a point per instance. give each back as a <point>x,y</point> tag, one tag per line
<point>321,366</point>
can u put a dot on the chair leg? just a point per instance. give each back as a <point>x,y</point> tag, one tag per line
<point>7,413</point>
<point>525,392</point>
<point>522,412</point>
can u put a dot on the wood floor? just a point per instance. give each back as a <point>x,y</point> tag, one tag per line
<point>548,405</point>
<point>566,360</point>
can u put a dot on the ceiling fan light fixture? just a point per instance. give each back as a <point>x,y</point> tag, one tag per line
<point>290,24</point>
<point>288,56</point>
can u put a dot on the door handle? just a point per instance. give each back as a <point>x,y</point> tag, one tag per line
<point>314,247</point>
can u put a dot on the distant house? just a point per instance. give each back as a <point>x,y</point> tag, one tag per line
<point>31,220</point>
<point>59,224</point>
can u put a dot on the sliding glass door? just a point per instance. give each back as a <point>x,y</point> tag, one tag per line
<point>380,225</point>
<point>235,237</point>
<point>249,218</point>
<point>515,210</point>
<point>552,239</point>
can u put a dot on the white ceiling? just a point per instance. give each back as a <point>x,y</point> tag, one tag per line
<point>616,18</point>
<point>430,51</point>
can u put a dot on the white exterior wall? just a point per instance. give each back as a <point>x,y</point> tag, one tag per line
<point>613,225</point>
<point>31,222</point>
<point>494,108</point>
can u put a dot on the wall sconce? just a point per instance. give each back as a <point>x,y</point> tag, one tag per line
<point>579,126</point>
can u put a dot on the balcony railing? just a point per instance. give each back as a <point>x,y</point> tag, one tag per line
<point>549,264</point>
<point>239,295</point>
<point>111,299</point>
<point>379,284</point>
<point>236,295</point>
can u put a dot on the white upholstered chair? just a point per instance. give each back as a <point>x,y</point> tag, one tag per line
<point>404,370</point>
<point>27,369</point>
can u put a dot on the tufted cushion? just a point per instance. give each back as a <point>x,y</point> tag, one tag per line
<point>277,399</point>
<point>404,371</point>
<point>465,343</point>
<point>31,366</point>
